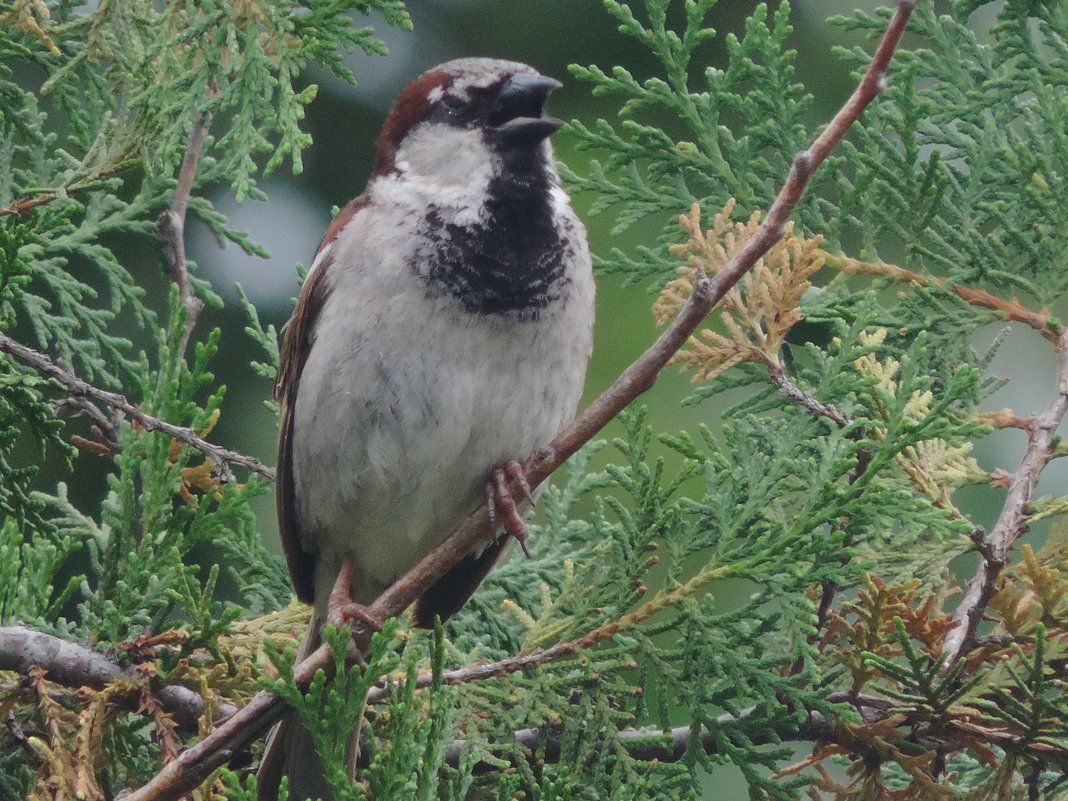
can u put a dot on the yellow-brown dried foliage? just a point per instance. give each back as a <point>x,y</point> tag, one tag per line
<point>866,625</point>
<point>933,466</point>
<point>69,726</point>
<point>758,313</point>
<point>1035,590</point>
<point>32,17</point>
<point>68,745</point>
<point>870,746</point>
<point>199,480</point>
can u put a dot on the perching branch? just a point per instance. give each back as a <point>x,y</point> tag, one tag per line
<point>196,763</point>
<point>994,546</point>
<point>223,458</point>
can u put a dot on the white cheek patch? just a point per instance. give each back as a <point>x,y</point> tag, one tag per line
<point>448,167</point>
<point>445,154</point>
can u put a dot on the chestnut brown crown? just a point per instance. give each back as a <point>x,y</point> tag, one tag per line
<point>505,100</point>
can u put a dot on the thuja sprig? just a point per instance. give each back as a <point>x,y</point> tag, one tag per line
<point>759,312</point>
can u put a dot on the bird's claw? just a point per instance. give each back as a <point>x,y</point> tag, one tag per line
<point>341,610</point>
<point>500,500</point>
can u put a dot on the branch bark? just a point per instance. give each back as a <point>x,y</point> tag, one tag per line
<point>196,763</point>
<point>994,546</point>
<point>74,665</point>
<point>171,227</point>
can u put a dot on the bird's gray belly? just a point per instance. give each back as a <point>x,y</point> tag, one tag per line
<point>399,442</point>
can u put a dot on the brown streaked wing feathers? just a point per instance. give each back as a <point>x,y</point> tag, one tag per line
<point>295,348</point>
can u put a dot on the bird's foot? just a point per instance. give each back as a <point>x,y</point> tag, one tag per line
<point>500,498</point>
<point>341,610</point>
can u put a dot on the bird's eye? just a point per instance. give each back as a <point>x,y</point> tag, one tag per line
<point>453,102</point>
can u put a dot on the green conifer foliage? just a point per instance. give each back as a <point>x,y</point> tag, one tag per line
<point>864,660</point>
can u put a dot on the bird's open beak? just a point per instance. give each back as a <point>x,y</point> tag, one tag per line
<point>518,117</point>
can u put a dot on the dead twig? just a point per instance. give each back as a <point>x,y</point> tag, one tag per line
<point>994,546</point>
<point>223,458</point>
<point>1010,310</point>
<point>171,227</point>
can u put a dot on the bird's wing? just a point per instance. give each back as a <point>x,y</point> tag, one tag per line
<point>295,348</point>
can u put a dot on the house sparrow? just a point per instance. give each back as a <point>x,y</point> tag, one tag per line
<point>443,331</point>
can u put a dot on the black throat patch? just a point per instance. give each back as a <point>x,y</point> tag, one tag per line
<point>512,262</point>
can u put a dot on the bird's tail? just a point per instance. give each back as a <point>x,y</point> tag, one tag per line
<point>291,752</point>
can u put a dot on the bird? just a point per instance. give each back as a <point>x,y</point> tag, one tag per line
<point>442,333</point>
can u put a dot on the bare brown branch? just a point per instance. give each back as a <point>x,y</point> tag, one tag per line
<point>223,458</point>
<point>994,546</point>
<point>171,227</point>
<point>26,204</point>
<point>75,665</point>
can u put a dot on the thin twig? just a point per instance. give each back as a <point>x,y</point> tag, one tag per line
<point>533,659</point>
<point>806,400</point>
<point>26,204</point>
<point>994,546</point>
<point>75,407</point>
<point>196,763</point>
<point>817,408</point>
<point>171,227</point>
<point>76,387</point>
<point>1010,310</point>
